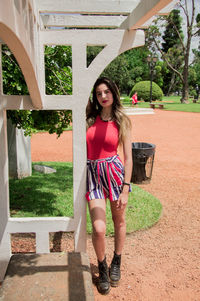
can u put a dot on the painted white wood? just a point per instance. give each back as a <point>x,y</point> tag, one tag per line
<point>148,22</point>
<point>19,152</point>
<point>4,188</point>
<point>35,224</point>
<point>79,175</point>
<point>5,249</point>
<point>16,102</point>
<point>168,8</point>
<point>15,32</point>
<point>5,253</point>
<point>82,21</point>
<point>42,242</point>
<point>143,12</point>
<point>87,6</point>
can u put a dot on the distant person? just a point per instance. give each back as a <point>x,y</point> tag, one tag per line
<point>134,99</point>
<point>107,177</point>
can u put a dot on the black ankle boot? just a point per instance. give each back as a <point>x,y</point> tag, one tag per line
<point>114,270</point>
<point>103,285</point>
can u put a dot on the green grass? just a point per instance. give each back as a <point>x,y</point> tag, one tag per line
<point>52,194</point>
<point>43,194</point>
<point>143,211</point>
<point>171,103</point>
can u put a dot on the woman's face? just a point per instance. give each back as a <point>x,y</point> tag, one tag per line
<point>104,96</point>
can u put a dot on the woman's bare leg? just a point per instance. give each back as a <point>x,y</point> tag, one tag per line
<point>118,216</point>
<point>97,210</point>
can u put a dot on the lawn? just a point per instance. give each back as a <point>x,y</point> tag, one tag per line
<point>43,195</point>
<point>171,103</point>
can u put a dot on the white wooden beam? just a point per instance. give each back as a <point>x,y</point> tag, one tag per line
<point>82,21</point>
<point>148,22</point>
<point>50,102</point>
<point>16,102</point>
<point>168,8</point>
<point>40,224</point>
<point>87,6</point>
<point>143,12</point>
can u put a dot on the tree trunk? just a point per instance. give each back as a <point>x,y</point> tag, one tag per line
<point>185,89</point>
<point>172,81</point>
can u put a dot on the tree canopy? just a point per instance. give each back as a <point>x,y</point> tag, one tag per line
<point>172,55</point>
<point>58,78</point>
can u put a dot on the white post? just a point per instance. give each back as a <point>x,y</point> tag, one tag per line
<point>79,170</point>
<point>5,248</point>
<point>19,152</point>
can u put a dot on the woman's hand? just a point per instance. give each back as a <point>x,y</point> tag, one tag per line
<point>122,201</point>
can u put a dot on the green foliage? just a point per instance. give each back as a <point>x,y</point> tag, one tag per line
<point>92,52</point>
<point>118,71</point>
<point>13,79</point>
<point>58,70</point>
<point>32,121</point>
<point>128,68</point>
<point>143,91</point>
<point>173,46</point>
<point>194,73</point>
<point>173,31</point>
<point>58,73</point>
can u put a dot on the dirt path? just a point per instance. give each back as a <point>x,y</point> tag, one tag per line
<point>161,263</point>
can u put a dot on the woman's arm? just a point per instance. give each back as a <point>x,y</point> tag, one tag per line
<point>128,164</point>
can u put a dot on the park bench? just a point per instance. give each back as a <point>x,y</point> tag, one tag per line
<point>158,105</point>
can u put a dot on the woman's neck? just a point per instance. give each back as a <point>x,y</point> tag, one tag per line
<point>106,114</point>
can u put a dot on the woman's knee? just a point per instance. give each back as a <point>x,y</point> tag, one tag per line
<point>119,221</point>
<point>99,229</point>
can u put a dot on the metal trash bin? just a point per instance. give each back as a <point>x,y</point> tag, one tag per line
<point>143,159</point>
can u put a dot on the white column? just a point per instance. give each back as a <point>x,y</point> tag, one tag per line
<point>5,249</point>
<point>79,176</point>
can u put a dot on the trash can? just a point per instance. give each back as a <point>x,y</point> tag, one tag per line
<point>143,159</point>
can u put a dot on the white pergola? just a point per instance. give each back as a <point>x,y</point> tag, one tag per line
<point>26,26</point>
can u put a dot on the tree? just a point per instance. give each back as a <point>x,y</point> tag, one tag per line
<point>118,71</point>
<point>173,32</point>
<point>171,46</point>
<point>128,69</point>
<point>58,75</point>
<point>184,49</point>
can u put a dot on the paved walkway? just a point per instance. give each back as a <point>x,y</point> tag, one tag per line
<point>52,277</point>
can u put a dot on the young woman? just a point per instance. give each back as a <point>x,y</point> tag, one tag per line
<point>107,177</point>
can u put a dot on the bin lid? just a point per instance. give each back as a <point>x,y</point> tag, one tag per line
<point>143,145</point>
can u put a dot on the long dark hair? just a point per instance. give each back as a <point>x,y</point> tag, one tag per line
<point>94,108</point>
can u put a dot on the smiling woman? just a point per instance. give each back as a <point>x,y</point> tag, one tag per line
<point>105,99</point>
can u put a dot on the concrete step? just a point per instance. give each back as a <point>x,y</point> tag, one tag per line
<point>52,277</point>
<point>138,111</point>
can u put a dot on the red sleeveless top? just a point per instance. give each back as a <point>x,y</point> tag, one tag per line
<point>102,139</point>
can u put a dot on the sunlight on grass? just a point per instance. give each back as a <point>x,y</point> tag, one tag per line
<point>171,103</point>
<point>143,210</point>
<point>43,194</point>
<point>52,195</point>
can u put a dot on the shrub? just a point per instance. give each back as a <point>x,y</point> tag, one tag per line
<point>143,91</point>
